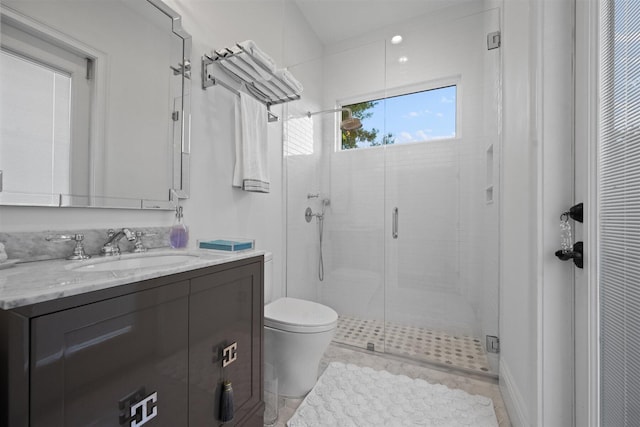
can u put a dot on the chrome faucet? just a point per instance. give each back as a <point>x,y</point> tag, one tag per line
<point>139,246</point>
<point>111,245</point>
<point>78,250</point>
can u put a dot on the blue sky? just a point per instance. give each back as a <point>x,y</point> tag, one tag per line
<point>416,117</point>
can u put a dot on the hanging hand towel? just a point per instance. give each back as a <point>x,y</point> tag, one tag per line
<point>251,172</point>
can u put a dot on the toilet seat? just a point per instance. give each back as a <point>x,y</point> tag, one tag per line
<point>295,315</point>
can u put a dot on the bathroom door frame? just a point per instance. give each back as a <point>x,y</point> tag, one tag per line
<point>586,182</point>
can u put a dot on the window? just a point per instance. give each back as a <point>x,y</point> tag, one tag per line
<point>45,103</point>
<point>413,117</point>
<point>619,210</point>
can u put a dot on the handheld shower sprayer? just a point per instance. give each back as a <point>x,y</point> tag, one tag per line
<point>308,215</point>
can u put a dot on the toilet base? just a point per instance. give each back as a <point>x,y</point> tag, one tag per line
<point>296,357</point>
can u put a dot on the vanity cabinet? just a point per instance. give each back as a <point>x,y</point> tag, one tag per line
<point>153,349</point>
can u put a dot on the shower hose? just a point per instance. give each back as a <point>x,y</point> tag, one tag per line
<point>320,260</point>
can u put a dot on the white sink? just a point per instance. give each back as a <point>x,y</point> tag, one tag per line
<point>133,262</point>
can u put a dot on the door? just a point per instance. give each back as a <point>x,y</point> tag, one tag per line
<point>608,327</point>
<point>442,191</point>
<point>225,322</point>
<point>138,343</point>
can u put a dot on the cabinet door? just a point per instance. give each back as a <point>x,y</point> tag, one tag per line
<point>226,308</point>
<point>91,364</point>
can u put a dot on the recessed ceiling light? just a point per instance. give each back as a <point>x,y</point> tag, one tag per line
<point>403,59</point>
<point>396,39</point>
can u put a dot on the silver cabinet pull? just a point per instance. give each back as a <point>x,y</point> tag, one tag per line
<point>229,354</point>
<point>394,224</point>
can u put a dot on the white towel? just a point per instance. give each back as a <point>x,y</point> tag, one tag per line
<point>248,65</point>
<point>251,172</point>
<point>259,55</point>
<point>291,81</point>
<point>246,71</point>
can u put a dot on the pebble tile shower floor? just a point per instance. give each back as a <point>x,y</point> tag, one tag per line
<point>417,343</point>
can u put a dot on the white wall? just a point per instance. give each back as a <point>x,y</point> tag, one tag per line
<point>518,296</point>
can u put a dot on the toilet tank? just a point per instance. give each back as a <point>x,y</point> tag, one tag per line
<point>268,277</point>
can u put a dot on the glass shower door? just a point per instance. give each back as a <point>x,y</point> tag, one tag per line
<point>441,181</point>
<point>353,224</point>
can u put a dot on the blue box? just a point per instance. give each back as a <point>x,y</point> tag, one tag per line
<point>226,245</point>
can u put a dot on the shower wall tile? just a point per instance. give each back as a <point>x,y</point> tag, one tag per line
<point>302,237</point>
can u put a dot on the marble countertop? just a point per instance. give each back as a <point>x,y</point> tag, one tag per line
<point>33,282</point>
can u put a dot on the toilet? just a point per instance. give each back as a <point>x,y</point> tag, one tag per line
<point>296,335</point>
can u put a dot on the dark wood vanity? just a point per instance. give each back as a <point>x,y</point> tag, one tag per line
<point>152,347</point>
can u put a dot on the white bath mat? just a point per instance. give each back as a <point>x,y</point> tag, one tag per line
<point>348,395</point>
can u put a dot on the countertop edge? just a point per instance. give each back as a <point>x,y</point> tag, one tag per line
<point>42,281</point>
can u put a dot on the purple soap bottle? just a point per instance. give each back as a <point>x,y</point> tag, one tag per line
<point>179,234</point>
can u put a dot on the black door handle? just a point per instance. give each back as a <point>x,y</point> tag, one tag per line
<point>576,254</point>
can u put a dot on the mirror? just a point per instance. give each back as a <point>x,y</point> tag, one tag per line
<point>94,104</point>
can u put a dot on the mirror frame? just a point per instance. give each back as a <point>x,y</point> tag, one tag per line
<point>181,160</point>
<point>181,140</point>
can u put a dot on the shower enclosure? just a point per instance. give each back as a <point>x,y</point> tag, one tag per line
<point>410,237</point>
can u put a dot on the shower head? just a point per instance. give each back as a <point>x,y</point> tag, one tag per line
<point>349,123</point>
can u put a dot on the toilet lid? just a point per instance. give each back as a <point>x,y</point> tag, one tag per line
<point>296,315</point>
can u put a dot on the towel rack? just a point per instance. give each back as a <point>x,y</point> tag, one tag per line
<point>270,92</point>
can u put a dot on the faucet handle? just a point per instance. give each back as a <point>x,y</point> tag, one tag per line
<point>64,237</point>
<point>138,245</point>
<point>78,250</point>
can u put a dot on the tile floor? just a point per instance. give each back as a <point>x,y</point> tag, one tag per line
<point>417,343</point>
<point>479,384</point>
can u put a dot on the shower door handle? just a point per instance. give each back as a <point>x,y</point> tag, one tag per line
<point>394,223</point>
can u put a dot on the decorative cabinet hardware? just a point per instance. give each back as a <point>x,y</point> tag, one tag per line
<point>229,354</point>
<point>226,402</point>
<point>145,410</point>
<point>136,410</point>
